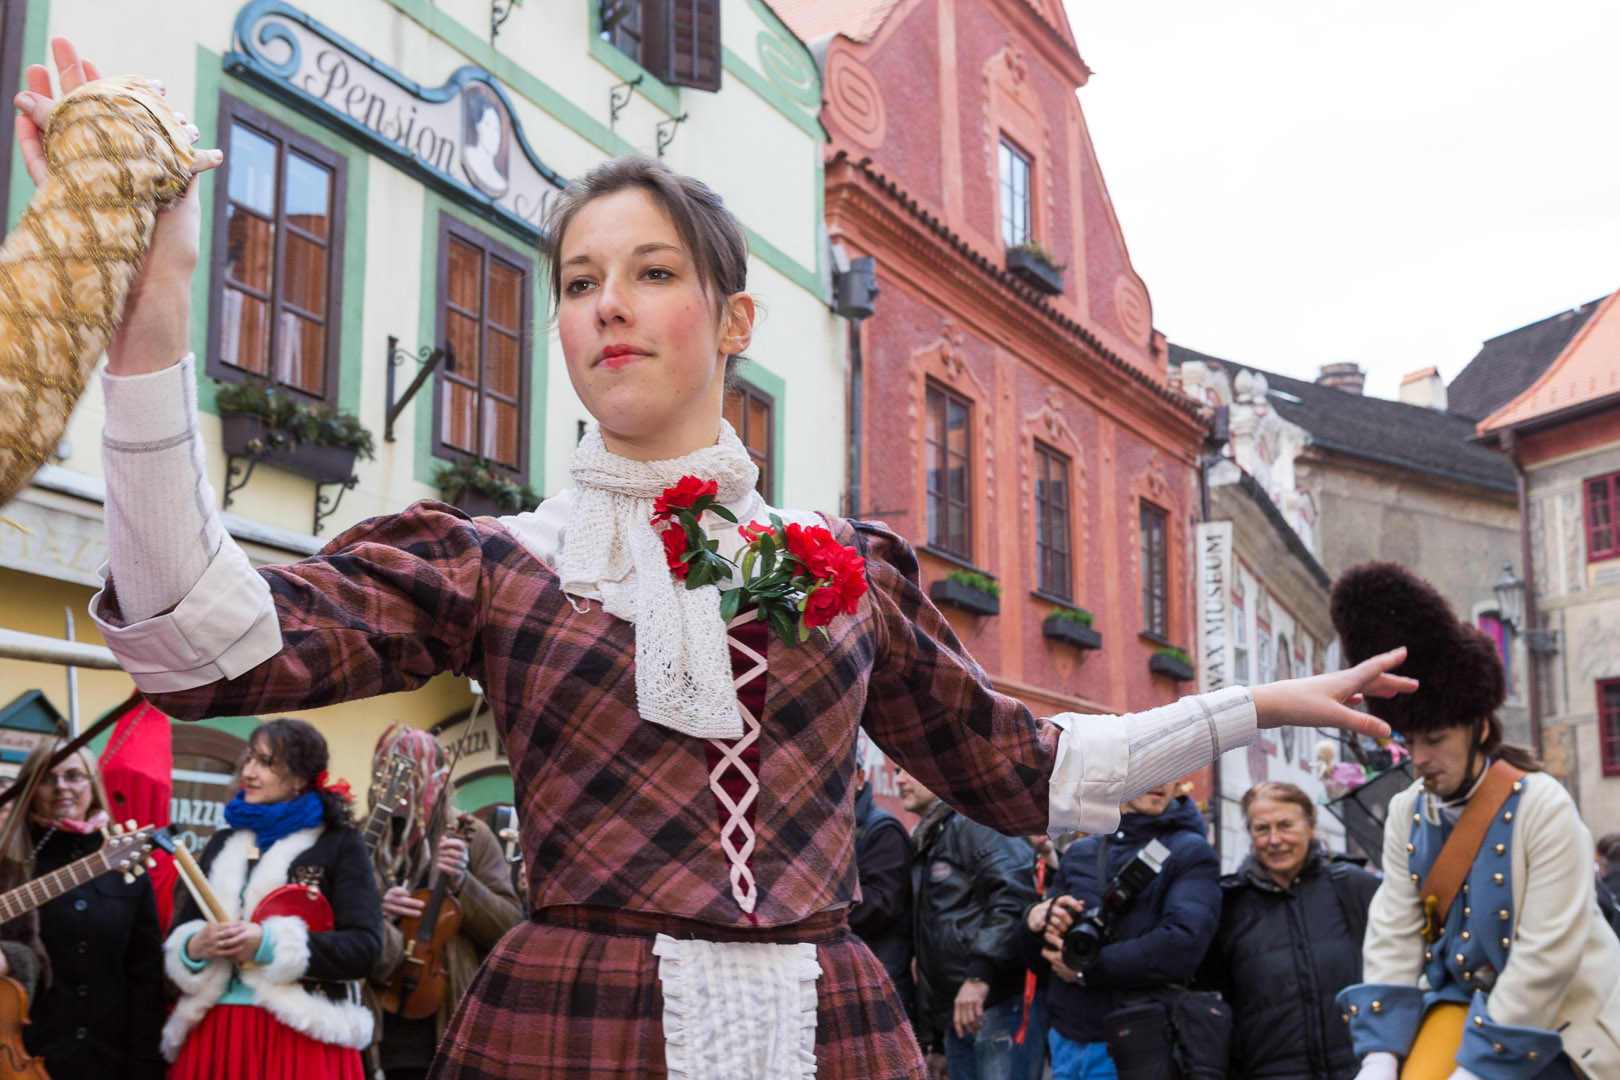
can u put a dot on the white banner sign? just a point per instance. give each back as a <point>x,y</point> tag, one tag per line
<point>1214,606</point>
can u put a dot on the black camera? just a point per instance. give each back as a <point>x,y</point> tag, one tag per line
<point>1084,941</point>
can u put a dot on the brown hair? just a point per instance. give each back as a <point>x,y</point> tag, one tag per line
<point>297,746</point>
<point>1277,791</point>
<point>20,850</point>
<point>1608,848</point>
<point>711,233</point>
<point>1521,757</point>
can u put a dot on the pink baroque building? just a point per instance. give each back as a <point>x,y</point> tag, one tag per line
<point>1009,407</point>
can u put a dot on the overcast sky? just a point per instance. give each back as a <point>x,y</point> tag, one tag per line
<point>1386,181</point>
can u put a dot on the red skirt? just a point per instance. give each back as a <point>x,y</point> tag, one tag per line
<point>243,1042</point>
<point>582,1002</point>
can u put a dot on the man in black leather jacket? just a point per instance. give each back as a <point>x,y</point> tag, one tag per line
<point>970,888</point>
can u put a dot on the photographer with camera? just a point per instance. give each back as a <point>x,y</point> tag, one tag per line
<point>1132,914</point>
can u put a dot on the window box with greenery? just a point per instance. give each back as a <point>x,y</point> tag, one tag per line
<point>1036,267</point>
<point>1072,625</point>
<point>314,440</point>
<point>968,590</point>
<point>483,490</point>
<point>1173,662</point>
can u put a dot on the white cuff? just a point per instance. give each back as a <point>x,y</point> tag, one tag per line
<point>151,407</point>
<point>224,626</point>
<point>1088,773</point>
<point>1103,761</point>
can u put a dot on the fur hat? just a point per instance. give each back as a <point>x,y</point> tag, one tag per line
<point>1378,606</point>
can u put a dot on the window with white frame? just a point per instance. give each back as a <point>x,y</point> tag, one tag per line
<point>1017,223</point>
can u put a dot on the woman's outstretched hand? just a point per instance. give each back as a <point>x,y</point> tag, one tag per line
<point>155,329</point>
<point>1325,700</point>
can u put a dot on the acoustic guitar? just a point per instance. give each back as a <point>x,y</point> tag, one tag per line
<point>122,851</point>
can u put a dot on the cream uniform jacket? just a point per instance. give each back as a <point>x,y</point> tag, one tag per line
<point>1563,967</point>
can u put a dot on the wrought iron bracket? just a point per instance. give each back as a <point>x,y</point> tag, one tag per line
<point>427,358</point>
<point>321,499</point>
<point>667,129</point>
<point>619,98</point>
<point>499,12</point>
<point>233,466</point>
<point>1541,639</point>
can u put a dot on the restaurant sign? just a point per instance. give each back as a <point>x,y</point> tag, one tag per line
<point>462,137</point>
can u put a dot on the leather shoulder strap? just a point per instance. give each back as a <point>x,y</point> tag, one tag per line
<point>1450,870</point>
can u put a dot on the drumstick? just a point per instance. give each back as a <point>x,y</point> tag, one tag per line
<point>192,875</point>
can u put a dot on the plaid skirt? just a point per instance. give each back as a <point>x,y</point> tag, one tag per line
<point>576,997</point>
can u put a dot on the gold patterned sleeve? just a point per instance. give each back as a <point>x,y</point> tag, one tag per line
<point>116,154</point>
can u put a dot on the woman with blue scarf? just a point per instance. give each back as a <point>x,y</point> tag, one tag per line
<point>272,998</point>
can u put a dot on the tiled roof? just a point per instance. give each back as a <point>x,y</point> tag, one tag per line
<point>1377,429</point>
<point>1507,364</point>
<point>1586,371</point>
<point>857,20</point>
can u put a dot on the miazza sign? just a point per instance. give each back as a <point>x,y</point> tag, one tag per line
<point>1214,606</point>
<point>462,137</point>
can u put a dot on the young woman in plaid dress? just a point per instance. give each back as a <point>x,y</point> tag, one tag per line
<point>683,783</point>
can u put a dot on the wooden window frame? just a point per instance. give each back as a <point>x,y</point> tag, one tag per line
<point>1611,496</point>
<point>451,226</point>
<point>1609,727</point>
<point>940,454</point>
<point>1007,190</point>
<point>232,111</point>
<point>767,467</point>
<point>1160,560</point>
<point>657,34</point>
<point>1048,578</point>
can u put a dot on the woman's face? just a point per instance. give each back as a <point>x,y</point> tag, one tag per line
<point>1282,835</point>
<point>264,780</point>
<point>65,791</point>
<point>644,343</point>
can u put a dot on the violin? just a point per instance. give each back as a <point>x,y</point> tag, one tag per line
<point>417,987</point>
<point>15,1064</point>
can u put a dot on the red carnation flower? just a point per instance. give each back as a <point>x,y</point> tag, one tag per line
<point>754,530</point>
<point>674,547</point>
<point>851,581</point>
<point>682,496</point>
<point>822,606</point>
<point>815,547</point>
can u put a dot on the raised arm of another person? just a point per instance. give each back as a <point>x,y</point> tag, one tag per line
<point>932,709</point>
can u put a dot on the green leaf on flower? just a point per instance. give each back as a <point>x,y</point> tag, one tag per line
<point>721,511</point>
<point>730,602</point>
<point>767,554</point>
<point>804,632</point>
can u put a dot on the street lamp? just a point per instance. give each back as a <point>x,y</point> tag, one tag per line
<point>1510,609</point>
<point>1510,598</point>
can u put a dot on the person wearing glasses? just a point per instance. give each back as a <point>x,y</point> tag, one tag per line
<point>96,1007</point>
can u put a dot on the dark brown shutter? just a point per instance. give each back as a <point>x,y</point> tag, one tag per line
<point>681,42</point>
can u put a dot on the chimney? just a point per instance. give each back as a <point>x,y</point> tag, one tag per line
<point>1424,388</point>
<point>1347,377</point>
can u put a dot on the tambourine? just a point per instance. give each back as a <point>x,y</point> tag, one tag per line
<point>301,902</point>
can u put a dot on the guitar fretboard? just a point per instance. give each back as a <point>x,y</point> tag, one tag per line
<point>376,823</point>
<point>42,890</point>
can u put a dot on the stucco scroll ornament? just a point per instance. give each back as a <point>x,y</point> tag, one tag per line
<point>116,153</point>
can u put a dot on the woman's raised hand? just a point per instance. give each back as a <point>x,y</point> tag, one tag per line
<point>1325,700</point>
<point>154,332</point>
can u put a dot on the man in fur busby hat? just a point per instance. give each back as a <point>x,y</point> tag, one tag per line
<point>1485,958</point>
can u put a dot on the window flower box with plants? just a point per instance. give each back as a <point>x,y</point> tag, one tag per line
<point>266,424</point>
<point>1072,625</point>
<point>1036,267</point>
<point>481,489</point>
<point>1172,662</point>
<point>967,590</point>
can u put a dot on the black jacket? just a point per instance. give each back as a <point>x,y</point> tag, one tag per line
<point>971,887</point>
<point>1280,957</point>
<point>883,917</point>
<point>338,862</point>
<point>102,1010</point>
<point>1159,939</point>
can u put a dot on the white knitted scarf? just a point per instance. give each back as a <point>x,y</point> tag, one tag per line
<point>683,664</point>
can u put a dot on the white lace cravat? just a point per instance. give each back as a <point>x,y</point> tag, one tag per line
<point>683,668</point>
